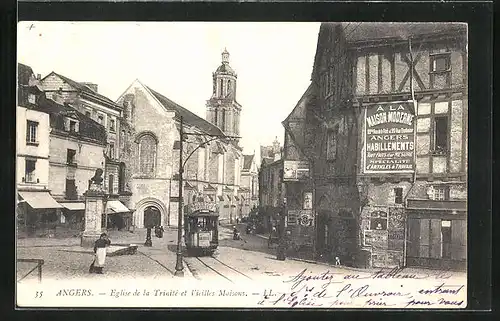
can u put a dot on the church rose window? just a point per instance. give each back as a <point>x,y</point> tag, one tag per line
<point>147,155</point>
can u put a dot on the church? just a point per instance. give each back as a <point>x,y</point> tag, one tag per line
<point>149,148</point>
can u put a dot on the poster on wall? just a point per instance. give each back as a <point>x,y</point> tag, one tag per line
<point>389,138</point>
<point>307,201</point>
<point>295,170</point>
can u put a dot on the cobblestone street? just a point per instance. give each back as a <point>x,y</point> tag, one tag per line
<point>247,259</point>
<point>66,259</point>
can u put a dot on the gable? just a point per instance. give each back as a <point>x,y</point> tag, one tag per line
<point>141,92</point>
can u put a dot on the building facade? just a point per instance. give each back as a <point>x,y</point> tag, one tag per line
<point>271,193</point>
<point>372,132</point>
<point>150,149</point>
<point>249,184</point>
<point>35,205</point>
<point>84,97</point>
<point>77,147</point>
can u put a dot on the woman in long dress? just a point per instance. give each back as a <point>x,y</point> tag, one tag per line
<point>100,254</point>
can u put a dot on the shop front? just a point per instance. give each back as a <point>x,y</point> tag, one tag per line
<point>73,215</point>
<point>37,213</point>
<point>437,234</point>
<point>120,217</point>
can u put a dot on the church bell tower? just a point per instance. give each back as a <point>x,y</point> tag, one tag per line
<point>222,108</point>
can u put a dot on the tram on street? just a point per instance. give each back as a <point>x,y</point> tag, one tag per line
<point>201,222</point>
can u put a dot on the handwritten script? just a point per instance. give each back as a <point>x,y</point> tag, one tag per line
<point>385,288</point>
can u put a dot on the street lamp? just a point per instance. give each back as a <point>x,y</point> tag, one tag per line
<point>179,269</point>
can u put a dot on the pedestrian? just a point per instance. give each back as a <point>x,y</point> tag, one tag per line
<point>100,254</point>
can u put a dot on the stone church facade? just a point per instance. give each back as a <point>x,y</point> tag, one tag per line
<point>149,148</point>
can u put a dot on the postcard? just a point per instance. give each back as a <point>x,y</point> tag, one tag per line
<point>241,165</point>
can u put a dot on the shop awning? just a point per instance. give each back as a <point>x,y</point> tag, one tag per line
<point>78,206</point>
<point>114,206</point>
<point>39,200</point>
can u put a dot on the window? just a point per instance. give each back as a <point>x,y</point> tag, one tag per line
<point>331,144</point>
<point>112,125</point>
<point>88,113</point>
<point>111,183</point>
<point>72,126</point>
<point>31,132</point>
<point>100,119</point>
<point>111,151</point>
<point>440,135</point>
<point>29,175</point>
<point>31,99</point>
<point>147,155</point>
<point>70,156</point>
<point>216,114</point>
<point>446,239</point>
<point>441,193</point>
<point>121,178</point>
<point>398,195</point>
<point>440,63</point>
<point>71,193</point>
<point>223,122</point>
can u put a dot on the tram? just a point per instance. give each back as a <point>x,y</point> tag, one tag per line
<point>201,222</point>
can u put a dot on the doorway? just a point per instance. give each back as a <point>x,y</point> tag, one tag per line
<point>152,217</point>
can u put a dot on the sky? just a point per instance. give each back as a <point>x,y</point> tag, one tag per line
<point>273,62</point>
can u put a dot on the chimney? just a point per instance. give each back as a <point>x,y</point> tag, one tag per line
<point>92,86</point>
<point>38,77</point>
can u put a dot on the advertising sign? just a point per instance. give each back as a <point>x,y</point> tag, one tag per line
<point>300,217</point>
<point>389,138</point>
<point>295,170</point>
<point>375,238</point>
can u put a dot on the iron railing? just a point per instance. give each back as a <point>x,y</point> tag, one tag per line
<point>39,263</point>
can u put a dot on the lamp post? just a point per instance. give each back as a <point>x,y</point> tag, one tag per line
<point>179,268</point>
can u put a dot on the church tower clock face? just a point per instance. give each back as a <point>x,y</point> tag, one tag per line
<point>223,110</point>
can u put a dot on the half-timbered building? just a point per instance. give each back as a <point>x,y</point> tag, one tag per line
<point>387,141</point>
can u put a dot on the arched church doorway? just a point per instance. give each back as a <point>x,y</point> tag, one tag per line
<point>152,216</point>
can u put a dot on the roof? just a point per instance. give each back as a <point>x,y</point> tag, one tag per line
<point>373,32</point>
<point>24,74</point>
<point>247,161</point>
<point>84,88</point>
<point>225,68</point>
<point>305,95</point>
<point>396,30</point>
<point>88,128</point>
<point>188,116</point>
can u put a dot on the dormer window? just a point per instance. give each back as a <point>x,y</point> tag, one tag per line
<point>72,126</point>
